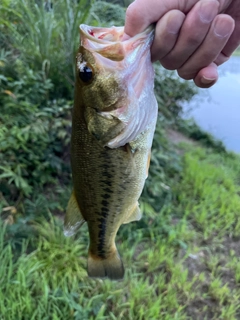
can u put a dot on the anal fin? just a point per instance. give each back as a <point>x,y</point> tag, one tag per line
<point>73,218</point>
<point>134,215</point>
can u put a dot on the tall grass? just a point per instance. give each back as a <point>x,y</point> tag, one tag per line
<point>181,262</point>
<point>45,38</point>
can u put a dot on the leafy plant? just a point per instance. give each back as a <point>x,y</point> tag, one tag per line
<point>107,14</point>
<point>34,134</point>
<point>193,131</point>
<point>44,37</point>
<point>171,92</point>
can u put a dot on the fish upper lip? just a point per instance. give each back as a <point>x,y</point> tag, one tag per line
<point>85,29</point>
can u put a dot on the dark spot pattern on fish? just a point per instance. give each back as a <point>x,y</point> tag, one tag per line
<point>104,166</point>
<point>105,217</point>
<point>104,212</point>
<point>108,183</point>
<point>106,196</point>
<point>104,203</point>
<point>107,174</point>
<point>101,237</point>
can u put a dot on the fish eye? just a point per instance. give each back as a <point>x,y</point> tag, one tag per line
<point>86,74</point>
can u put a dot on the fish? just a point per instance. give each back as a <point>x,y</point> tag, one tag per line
<point>113,123</point>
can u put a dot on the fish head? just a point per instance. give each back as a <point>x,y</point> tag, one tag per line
<point>115,78</point>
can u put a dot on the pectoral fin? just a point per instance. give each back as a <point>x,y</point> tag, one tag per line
<point>134,215</point>
<point>73,219</point>
<point>103,126</point>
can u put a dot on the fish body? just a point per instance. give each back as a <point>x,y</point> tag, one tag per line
<point>113,123</point>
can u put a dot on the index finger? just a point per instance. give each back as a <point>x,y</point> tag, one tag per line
<point>141,13</point>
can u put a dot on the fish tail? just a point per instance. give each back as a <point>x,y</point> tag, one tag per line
<point>110,267</point>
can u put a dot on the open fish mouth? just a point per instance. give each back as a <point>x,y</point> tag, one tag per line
<point>108,42</point>
<point>102,35</point>
<point>113,34</point>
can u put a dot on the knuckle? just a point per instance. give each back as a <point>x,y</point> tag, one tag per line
<point>185,75</point>
<point>132,13</point>
<point>169,64</point>
<point>194,40</point>
<point>221,58</point>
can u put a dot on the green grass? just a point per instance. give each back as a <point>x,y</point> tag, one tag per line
<point>237,52</point>
<point>181,263</point>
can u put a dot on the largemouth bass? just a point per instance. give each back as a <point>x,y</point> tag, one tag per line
<point>113,122</point>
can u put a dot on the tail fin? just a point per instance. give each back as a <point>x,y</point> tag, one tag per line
<point>111,267</point>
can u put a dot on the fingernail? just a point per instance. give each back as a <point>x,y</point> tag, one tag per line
<point>207,13</point>
<point>205,80</point>
<point>221,28</point>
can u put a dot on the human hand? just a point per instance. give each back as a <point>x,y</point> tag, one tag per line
<point>191,36</point>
